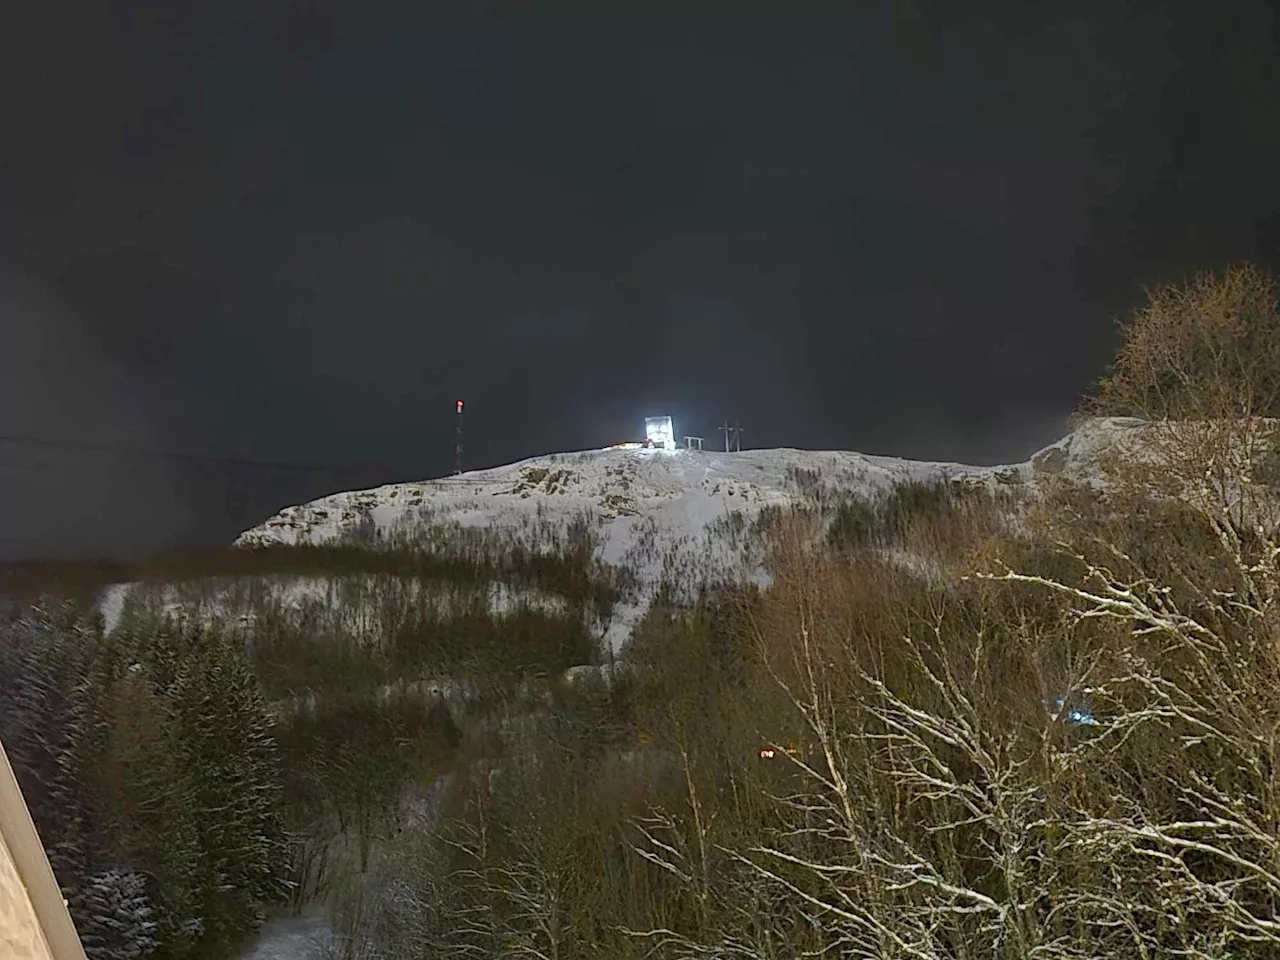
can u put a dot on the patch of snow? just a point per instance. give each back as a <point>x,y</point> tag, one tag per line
<point>925,568</point>
<point>292,594</point>
<point>110,604</point>
<point>295,938</point>
<point>605,673</point>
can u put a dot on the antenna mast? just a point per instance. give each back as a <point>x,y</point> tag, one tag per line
<point>457,449</point>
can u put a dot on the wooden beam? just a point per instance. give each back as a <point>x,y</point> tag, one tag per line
<point>27,864</point>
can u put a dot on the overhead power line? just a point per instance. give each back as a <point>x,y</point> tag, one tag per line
<point>126,450</point>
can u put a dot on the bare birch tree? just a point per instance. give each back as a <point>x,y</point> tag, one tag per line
<point>935,814</point>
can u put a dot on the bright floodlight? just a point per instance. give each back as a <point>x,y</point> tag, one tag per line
<point>660,432</point>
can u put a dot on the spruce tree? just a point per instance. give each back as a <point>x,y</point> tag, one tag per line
<point>151,823</point>
<point>223,737</point>
<point>46,720</point>
<point>115,917</point>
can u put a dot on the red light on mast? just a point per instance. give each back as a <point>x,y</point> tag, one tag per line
<point>459,406</point>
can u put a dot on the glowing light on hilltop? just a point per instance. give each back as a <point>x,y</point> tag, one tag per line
<point>660,432</point>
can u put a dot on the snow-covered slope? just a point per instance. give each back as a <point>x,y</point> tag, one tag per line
<point>681,492</point>
<point>644,507</point>
<point>639,500</point>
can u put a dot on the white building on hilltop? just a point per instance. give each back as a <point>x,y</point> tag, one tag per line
<point>660,433</point>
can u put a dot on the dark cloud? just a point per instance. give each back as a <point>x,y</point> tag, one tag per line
<point>56,383</point>
<point>297,230</point>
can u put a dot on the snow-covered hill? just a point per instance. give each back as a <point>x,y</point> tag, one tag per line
<point>646,506</point>
<point>622,490</point>
<point>680,492</point>
<point>643,508</point>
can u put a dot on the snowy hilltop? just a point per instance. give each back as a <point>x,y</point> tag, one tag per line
<point>680,492</point>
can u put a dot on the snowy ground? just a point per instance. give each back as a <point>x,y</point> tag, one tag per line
<point>291,593</point>
<point>680,491</point>
<point>294,938</point>
<point>631,494</point>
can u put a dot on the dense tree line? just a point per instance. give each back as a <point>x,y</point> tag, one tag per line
<point>179,803</point>
<point>151,769</point>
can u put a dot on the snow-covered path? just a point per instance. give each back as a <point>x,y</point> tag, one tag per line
<point>294,938</point>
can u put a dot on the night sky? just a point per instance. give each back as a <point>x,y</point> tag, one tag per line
<point>295,232</point>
